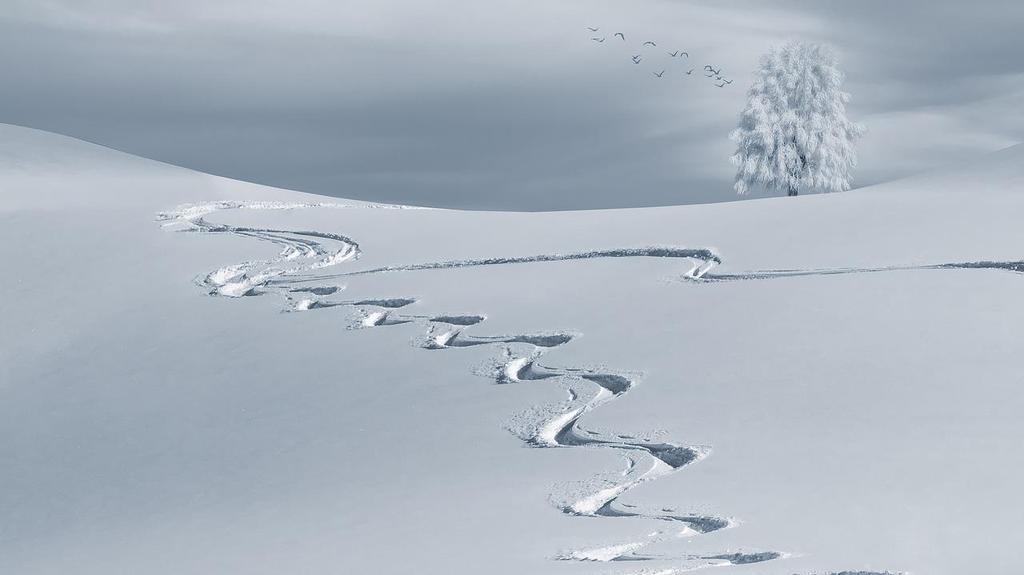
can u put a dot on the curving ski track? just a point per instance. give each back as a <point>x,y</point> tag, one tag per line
<point>305,254</point>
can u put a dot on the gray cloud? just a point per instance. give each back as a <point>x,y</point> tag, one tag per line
<point>503,105</point>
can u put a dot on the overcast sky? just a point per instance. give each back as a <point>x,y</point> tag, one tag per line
<point>497,104</point>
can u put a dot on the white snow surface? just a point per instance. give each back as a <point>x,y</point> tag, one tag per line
<point>838,389</point>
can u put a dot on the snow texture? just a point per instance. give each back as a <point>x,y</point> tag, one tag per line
<point>674,409</point>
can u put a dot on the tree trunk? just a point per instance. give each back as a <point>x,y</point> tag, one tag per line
<point>792,191</point>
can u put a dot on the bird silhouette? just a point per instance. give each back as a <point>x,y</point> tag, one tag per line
<point>717,72</point>
<point>592,29</point>
<point>659,74</point>
<point>598,39</point>
<point>686,54</point>
<point>621,35</point>
<point>674,54</point>
<point>690,71</point>
<point>724,81</point>
<point>722,85</point>
<point>650,43</point>
<point>636,59</point>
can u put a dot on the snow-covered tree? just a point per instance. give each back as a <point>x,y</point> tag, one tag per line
<point>793,134</point>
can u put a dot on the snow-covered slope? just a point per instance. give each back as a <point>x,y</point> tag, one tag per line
<point>207,376</point>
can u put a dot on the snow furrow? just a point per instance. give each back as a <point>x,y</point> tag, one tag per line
<point>705,259</point>
<point>1008,266</point>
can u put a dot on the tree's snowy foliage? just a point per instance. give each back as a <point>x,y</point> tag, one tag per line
<point>794,134</point>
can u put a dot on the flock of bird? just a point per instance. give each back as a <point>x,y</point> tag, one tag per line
<point>709,71</point>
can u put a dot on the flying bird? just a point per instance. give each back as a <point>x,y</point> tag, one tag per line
<point>686,54</point>
<point>636,59</point>
<point>724,81</point>
<point>674,54</point>
<point>592,29</point>
<point>595,39</point>
<point>722,85</point>
<point>689,72</point>
<point>717,72</point>
<point>621,35</point>
<point>650,43</point>
<point>659,74</point>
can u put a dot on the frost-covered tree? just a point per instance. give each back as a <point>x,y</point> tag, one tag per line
<point>794,134</point>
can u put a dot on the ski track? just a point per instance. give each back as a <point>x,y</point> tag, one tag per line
<point>1008,266</point>
<point>305,253</point>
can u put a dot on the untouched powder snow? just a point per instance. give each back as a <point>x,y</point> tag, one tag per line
<point>207,376</point>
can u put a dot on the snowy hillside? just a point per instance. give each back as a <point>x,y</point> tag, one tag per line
<point>201,375</point>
